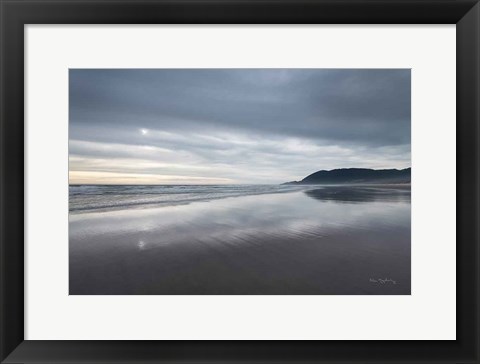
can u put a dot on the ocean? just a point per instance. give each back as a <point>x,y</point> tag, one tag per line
<point>85,198</point>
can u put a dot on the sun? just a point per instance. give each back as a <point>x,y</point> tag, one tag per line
<point>144,131</point>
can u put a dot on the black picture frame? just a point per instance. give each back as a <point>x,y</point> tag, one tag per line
<point>15,14</point>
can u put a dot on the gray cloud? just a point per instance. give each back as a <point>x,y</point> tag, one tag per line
<point>246,126</point>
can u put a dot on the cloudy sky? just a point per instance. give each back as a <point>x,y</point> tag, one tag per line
<point>177,126</point>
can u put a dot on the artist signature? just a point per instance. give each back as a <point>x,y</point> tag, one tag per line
<point>383,280</point>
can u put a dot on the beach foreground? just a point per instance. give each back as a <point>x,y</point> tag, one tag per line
<point>315,241</point>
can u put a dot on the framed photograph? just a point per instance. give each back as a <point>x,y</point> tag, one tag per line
<point>184,185</point>
<point>239,181</point>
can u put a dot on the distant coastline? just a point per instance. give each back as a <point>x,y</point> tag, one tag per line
<point>356,176</point>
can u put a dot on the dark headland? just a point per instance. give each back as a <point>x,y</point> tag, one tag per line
<point>357,176</point>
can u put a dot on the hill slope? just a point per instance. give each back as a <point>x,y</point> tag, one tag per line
<point>357,175</point>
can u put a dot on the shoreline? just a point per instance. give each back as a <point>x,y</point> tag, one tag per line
<point>159,204</point>
<point>267,244</point>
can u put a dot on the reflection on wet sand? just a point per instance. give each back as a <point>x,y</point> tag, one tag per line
<point>331,240</point>
<point>399,193</point>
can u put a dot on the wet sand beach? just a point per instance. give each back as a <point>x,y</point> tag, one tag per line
<point>319,241</point>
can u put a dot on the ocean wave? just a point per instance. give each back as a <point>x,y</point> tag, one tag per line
<point>85,198</point>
